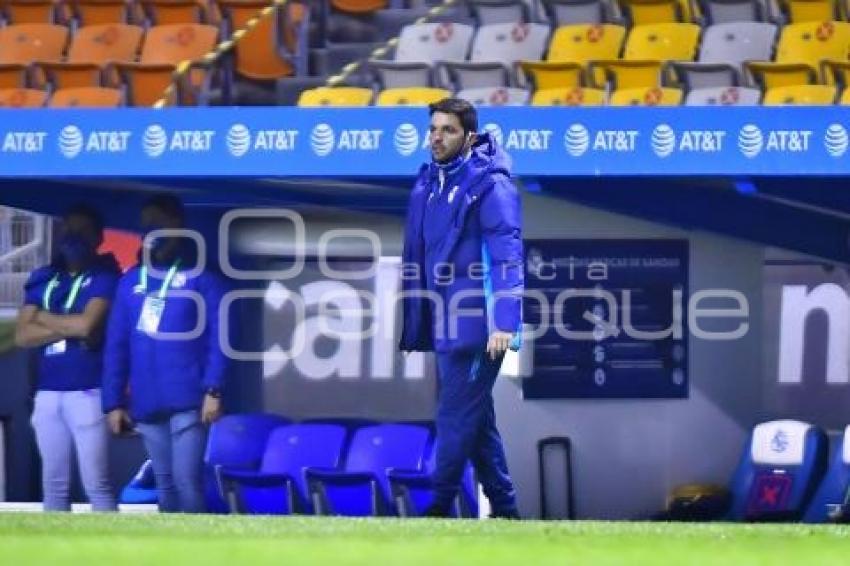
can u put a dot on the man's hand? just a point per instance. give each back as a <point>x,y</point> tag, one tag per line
<point>211,410</point>
<point>498,343</point>
<point>119,421</point>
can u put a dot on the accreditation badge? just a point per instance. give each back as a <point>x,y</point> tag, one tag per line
<point>56,349</point>
<point>151,315</point>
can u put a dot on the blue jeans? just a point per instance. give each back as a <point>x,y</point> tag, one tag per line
<point>65,422</point>
<point>466,429</point>
<point>175,445</point>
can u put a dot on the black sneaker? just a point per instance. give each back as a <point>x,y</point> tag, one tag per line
<point>437,512</point>
<point>511,514</point>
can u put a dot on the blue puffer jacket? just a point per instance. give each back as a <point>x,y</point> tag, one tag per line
<point>484,246</point>
<point>164,376</point>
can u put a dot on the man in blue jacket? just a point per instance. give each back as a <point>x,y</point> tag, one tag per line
<point>463,281</point>
<point>169,386</point>
<point>64,315</point>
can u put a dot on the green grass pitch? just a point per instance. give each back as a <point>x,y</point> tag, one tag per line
<point>164,540</point>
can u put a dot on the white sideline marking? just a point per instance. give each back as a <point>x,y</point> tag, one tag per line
<point>35,507</point>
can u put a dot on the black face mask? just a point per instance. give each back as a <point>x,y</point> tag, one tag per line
<point>76,250</point>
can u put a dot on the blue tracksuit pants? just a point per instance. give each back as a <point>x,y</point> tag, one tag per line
<point>466,429</point>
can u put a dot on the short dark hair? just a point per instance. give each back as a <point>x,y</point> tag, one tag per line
<point>88,212</point>
<point>465,112</point>
<point>167,203</point>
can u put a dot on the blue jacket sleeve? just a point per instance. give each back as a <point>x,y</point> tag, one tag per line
<point>501,228</point>
<point>116,354</point>
<point>213,290</point>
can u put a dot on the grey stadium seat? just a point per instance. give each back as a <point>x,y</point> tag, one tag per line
<point>499,96</point>
<point>495,46</point>
<point>724,48</point>
<point>723,96</point>
<point>488,12</point>
<point>567,12</point>
<point>419,47</point>
<point>727,11</point>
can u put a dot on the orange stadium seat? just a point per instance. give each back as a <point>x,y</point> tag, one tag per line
<point>164,12</point>
<point>22,98</point>
<point>359,6</point>
<point>91,49</point>
<point>99,12</point>
<point>165,48</point>
<point>86,97</point>
<point>258,52</point>
<point>23,44</point>
<point>30,11</point>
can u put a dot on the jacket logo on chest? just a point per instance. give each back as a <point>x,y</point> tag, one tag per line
<point>453,193</point>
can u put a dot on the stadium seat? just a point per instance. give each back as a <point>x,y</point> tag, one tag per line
<point>99,12</point>
<point>725,47</point>
<point>652,96</point>
<point>799,11</point>
<point>413,491</point>
<point>14,75</point>
<point>419,47</point>
<point>801,50</point>
<point>92,47</point>
<point>573,96</point>
<point>571,48</point>
<point>276,48</point>
<point>279,486</point>
<point>800,95</point>
<point>30,12</point>
<point>411,96</point>
<point>833,489</point>
<point>489,12</point>
<point>723,96</point>
<point>165,48</point>
<point>336,96</point>
<point>717,12</point>
<point>22,98</point>
<point>26,43</point>
<point>164,12</point>
<point>498,96</point>
<point>571,12</point>
<point>358,6</point>
<point>235,441</point>
<point>643,12</point>
<point>141,489</point>
<point>780,467</point>
<point>647,48</point>
<point>495,50</point>
<point>362,488</point>
<point>837,73</point>
<point>86,97</point>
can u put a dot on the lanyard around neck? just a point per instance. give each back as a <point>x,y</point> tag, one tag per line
<point>143,279</point>
<point>72,294</point>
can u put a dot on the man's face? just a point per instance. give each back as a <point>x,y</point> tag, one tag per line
<point>152,217</point>
<point>80,226</point>
<point>447,137</point>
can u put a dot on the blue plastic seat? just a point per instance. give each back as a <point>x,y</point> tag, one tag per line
<point>142,488</point>
<point>362,487</point>
<point>781,466</point>
<point>279,486</point>
<point>413,490</point>
<point>833,490</point>
<point>235,441</point>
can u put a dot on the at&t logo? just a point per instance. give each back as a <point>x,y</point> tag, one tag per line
<point>156,141</point>
<point>70,141</point>
<point>664,141</point>
<point>835,140</point>
<point>240,140</point>
<point>577,140</point>
<point>23,142</point>
<point>406,139</point>
<point>752,141</point>
<point>323,140</point>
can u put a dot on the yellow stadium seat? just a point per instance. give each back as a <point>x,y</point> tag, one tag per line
<point>653,96</point>
<point>642,12</point>
<point>844,99</point>
<point>336,96</point>
<point>799,11</point>
<point>575,96</point>
<point>410,96</point>
<point>837,73</point>
<point>800,95</point>
<point>648,47</point>
<point>802,48</point>
<point>570,49</point>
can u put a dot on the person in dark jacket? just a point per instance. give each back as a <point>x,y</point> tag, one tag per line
<point>163,369</point>
<point>64,314</point>
<point>462,277</point>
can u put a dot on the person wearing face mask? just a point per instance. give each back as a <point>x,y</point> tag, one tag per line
<point>65,310</point>
<point>462,277</point>
<point>175,382</point>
